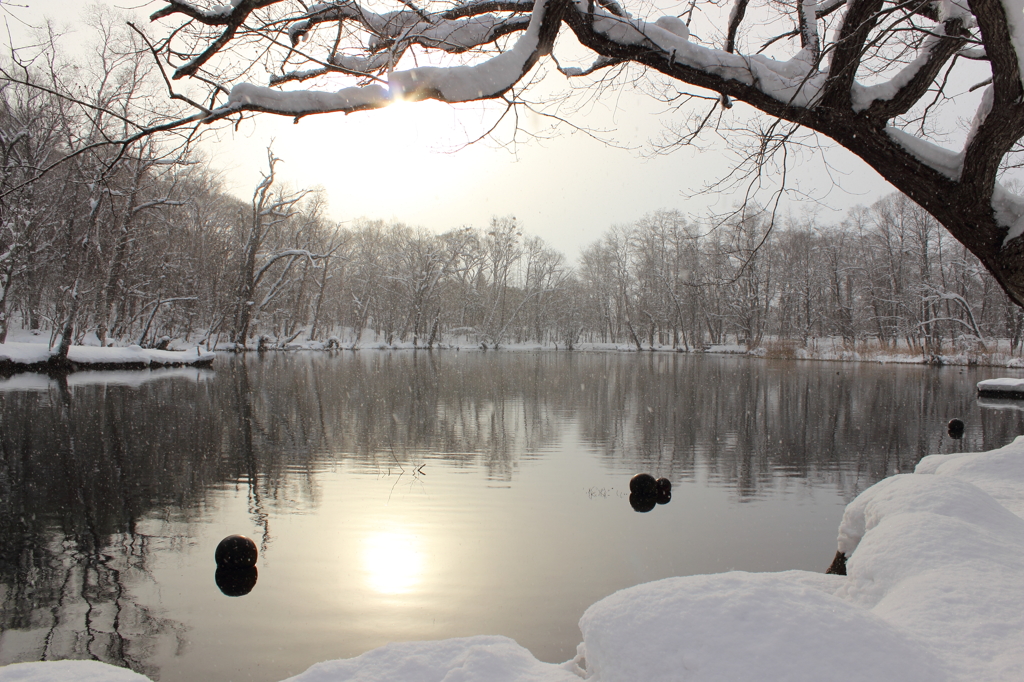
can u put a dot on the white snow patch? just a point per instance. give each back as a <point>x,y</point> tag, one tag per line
<point>793,81</point>
<point>1009,211</point>
<point>1000,473</point>
<point>952,9</point>
<point>32,353</point>
<point>1004,384</point>
<point>675,26</point>
<point>24,353</point>
<point>746,626</point>
<point>947,162</point>
<point>984,109</point>
<point>68,671</point>
<point>467,83</point>
<point>304,102</point>
<point>483,658</point>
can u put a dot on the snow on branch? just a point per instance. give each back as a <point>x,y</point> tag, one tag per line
<point>460,29</point>
<point>938,158</point>
<point>490,78</point>
<point>289,253</point>
<point>897,95</point>
<point>809,28</point>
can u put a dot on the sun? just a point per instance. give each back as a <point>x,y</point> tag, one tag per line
<point>393,562</point>
<point>424,128</point>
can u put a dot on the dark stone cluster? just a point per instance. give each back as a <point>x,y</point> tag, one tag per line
<point>645,492</point>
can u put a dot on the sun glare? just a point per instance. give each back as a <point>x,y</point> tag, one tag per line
<point>393,562</point>
<point>424,126</point>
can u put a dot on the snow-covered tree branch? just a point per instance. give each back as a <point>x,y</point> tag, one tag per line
<point>865,73</point>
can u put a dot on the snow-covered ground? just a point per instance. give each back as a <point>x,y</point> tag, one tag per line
<point>934,591</point>
<point>36,354</point>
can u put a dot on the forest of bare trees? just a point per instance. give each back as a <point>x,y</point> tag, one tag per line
<point>112,234</point>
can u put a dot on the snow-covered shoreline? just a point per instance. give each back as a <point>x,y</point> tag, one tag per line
<point>820,355</point>
<point>934,584</point>
<point>29,357</point>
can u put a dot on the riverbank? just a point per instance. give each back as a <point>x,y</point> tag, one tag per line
<point>826,350</point>
<point>37,357</point>
<point>933,591</point>
<point>995,352</point>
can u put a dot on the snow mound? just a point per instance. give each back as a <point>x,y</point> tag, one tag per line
<point>469,659</point>
<point>66,671</point>
<point>1000,473</point>
<point>745,626</point>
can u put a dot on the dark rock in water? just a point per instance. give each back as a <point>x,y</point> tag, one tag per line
<point>236,582</point>
<point>838,566</point>
<point>955,428</point>
<point>641,503</point>
<point>643,484</point>
<point>236,551</point>
<point>664,494</point>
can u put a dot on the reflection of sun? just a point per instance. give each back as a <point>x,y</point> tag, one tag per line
<point>393,562</point>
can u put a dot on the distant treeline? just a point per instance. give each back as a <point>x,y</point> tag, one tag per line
<point>136,241</point>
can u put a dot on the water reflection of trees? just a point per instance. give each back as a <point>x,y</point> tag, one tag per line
<point>78,470</point>
<point>84,470</point>
<point>747,424</point>
<point>757,425</point>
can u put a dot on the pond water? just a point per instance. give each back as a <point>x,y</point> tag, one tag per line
<point>409,495</point>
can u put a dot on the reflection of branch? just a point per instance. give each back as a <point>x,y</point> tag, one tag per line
<point>390,445</point>
<point>55,611</point>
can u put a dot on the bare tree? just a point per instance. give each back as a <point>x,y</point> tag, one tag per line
<point>27,215</point>
<point>81,168</point>
<point>271,209</point>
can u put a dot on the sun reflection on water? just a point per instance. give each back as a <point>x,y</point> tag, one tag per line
<point>393,562</point>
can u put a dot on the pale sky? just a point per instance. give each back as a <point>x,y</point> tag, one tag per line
<point>398,164</point>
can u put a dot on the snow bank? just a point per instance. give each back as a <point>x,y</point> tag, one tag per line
<point>941,559</point>
<point>934,591</point>
<point>1004,387</point>
<point>746,626</point>
<point>38,353</point>
<point>66,671</point>
<point>1000,473</point>
<point>494,659</point>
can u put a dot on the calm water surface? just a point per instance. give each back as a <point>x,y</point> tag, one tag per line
<point>401,496</point>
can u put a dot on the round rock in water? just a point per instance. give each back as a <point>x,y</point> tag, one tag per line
<point>955,428</point>
<point>236,582</point>
<point>664,495</point>
<point>643,484</point>
<point>236,551</point>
